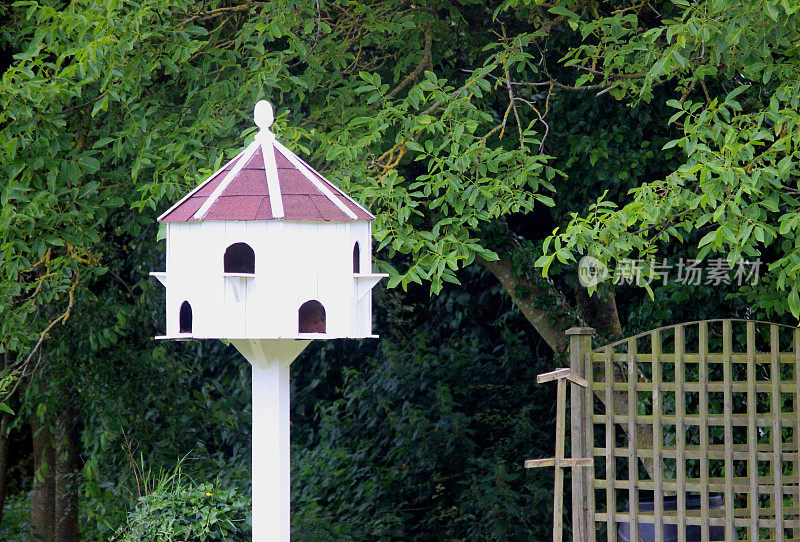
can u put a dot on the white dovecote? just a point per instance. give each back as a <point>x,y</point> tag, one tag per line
<point>269,254</point>
<point>259,239</point>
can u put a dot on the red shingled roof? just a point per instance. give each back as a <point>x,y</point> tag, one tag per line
<point>303,194</point>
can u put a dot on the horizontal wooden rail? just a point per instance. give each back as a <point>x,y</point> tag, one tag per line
<point>714,451</point>
<point>567,462</point>
<point>693,358</point>
<point>694,387</point>
<point>692,517</point>
<point>562,373</point>
<point>715,517</point>
<point>787,419</point>
<point>740,484</point>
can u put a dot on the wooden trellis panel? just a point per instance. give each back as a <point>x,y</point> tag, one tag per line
<point>701,411</point>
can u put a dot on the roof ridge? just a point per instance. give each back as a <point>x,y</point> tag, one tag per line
<point>273,180</point>
<point>246,155</point>
<point>199,186</point>
<point>332,185</point>
<point>296,160</point>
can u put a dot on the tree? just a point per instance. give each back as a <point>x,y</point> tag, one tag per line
<point>734,191</point>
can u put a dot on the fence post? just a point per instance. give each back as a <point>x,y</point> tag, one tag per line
<point>581,434</point>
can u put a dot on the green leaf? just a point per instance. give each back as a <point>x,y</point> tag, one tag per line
<point>102,142</point>
<point>772,10</point>
<point>707,238</point>
<point>414,146</point>
<point>561,10</point>
<point>794,302</point>
<point>88,188</point>
<point>90,163</point>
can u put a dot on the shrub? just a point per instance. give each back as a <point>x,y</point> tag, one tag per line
<point>181,510</point>
<point>16,518</point>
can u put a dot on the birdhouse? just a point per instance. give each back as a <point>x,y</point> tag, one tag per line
<point>269,254</point>
<point>267,248</point>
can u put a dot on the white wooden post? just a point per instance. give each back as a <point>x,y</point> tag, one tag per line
<point>270,360</point>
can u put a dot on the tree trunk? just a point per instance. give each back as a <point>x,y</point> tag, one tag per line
<point>67,477</point>
<point>551,322</point>
<point>4,448</point>
<point>600,310</point>
<point>3,462</point>
<point>43,505</point>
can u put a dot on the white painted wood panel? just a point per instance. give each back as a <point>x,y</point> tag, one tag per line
<point>295,262</point>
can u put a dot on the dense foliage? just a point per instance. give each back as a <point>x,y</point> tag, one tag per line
<point>488,138</point>
<point>734,191</point>
<point>426,438</point>
<point>177,509</point>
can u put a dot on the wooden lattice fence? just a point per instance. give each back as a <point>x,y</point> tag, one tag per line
<point>702,438</point>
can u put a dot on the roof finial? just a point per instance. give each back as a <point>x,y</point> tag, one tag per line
<point>263,115</point>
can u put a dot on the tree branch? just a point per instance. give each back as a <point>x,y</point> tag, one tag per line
<point>426,60</point>
<point>218,12</point>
